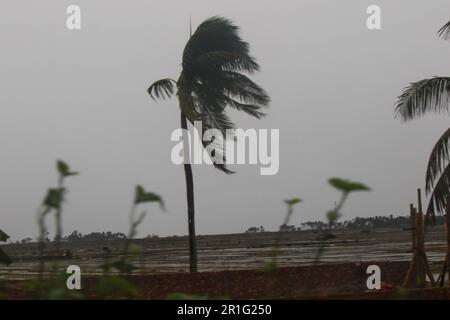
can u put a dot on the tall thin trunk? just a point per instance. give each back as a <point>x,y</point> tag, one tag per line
<point>41,250</point>
<point>58,236</point>
<point>190,199</point>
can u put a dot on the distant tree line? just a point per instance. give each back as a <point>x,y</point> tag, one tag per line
<point>358,223</point>
<point>95,236</point>
<point>77,236</point>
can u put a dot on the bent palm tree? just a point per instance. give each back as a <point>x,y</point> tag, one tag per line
<point>212,78</point>
<point>431,95</point>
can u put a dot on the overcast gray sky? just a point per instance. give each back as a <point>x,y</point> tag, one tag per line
<point>81,96</point>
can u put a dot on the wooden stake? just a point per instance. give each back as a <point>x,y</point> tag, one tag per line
<point>419,200</point>
<point>413,229</point>
<point>447,232</point>
<point>423,254</point>
<point>420,261</point>
<point>419,267</point>
<point>423,267</point>
<point>411,275</point>
<point>443,272</point>
<point>446,266</point>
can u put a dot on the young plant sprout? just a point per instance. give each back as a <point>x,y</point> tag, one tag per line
<point>271,266</point>
<point>141,196</point>
<point>290,210</point>
<point>345,187</point>
<point>53,201</point>
<point>64,172</point>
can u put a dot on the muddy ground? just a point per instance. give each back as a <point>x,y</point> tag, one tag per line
<point>234,251</point>
<point>231,265</point>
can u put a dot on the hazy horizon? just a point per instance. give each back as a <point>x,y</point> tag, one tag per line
<point>81,96</point>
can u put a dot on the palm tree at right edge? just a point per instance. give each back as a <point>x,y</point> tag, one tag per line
<point>431,95</point>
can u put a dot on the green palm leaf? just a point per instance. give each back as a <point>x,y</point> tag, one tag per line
<point>215,147</point>
<point>429,95</point>
<point>162,89</point>
<point>214,60</point>
<point>225,60</point>
<point>444,32</point>
<point>441,192</point>
<point>250,109</point>
<point>215,34</point>
<point>439,158</point>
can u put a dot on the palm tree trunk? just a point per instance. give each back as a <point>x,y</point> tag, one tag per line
<point>190,200</point>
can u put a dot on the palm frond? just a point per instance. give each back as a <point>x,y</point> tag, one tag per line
<point>429,95</point>
<point>216,148</point>
<point>213,115</point>
<point>441,192</point>
<point>231,89</point>
<point>250,109</point>
<point>444,32</point>
<point>187,105</point>
<point>214,118</point>
<point>439,158</point>
<point>215,34</point>
<point>224,60</point>
<point>241,87</point>
<point>211,79</point>
<point>217,120</point>
<point>162,89</point>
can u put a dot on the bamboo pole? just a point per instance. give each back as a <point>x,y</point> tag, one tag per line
<point>423,267</point>
<point>419,200</point>
<point>422,254</point>
<point>413,230</point>
<point>443,272</point>
<point>420,261</point>
<point>411,275</point>
<point>446,266</point>
<point>447,232</point>
<point>429,273</point>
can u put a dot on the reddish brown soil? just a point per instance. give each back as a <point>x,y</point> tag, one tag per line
<point>289,282</point>
<point>331,281</point>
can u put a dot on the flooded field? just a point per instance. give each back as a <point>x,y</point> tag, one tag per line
<point>232,251</point>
